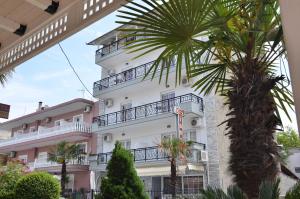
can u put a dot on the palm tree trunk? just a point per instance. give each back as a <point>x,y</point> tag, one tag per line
<point>252,125</point>
<point>63,177</point>
<point>173,177</point>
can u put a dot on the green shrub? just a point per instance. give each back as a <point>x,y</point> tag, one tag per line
<point>9,176</point>
<point>122,181</point>
<point>37,185</point>
<point>294,192</point>
<point>7,195</point>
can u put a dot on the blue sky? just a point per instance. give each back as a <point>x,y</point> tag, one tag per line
<point>47,77</point>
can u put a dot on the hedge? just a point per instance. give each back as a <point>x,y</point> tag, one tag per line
<point>38,185</point>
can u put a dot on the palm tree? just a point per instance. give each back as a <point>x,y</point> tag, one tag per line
<point>62,154</point>
<point>4,77</point>
<point>238,43</point>
<point>267,190</point>
<point>174,148</point>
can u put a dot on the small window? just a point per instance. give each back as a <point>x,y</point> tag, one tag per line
<point>82,147</point>
<point>57,123</point>
<point>168,136</point>
<point>126,144</point>
<point>297,169</point>
<point>23,158</point>
<point>78,119</point>
<point>18,133</point>
<point>32,129</point>
<point>190,136</point>
<point>42,157</point>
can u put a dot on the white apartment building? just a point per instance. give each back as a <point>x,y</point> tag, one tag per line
<point>139,113</point>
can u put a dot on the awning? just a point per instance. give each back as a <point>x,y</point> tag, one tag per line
<point>28,27</point>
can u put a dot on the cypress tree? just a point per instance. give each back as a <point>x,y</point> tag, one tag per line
<point>122,181</point>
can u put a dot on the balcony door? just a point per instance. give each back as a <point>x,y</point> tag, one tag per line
<point>126,112</point>
<point>78,119</point>
<point>168,101</point>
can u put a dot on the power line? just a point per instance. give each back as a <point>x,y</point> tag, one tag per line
<point>70,64</point>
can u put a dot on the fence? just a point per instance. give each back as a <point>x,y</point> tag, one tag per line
<point>95,194</point>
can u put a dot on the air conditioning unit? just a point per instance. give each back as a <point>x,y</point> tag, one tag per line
<point>109,103</point>
<point>48,119</point>
<point>87,109</point>
<point>196,122</point>
<point>24,126</point>
<point>107,137</point>
<point>185,82</point>
<point>203,156</point>
<point>12,154</point>
<point>111,72</point>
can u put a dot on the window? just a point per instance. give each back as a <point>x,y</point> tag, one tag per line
<point>168,186</point>
<point>78,118</point>
<point>168,136</point>
<point>57,123</point>
<point>168,101</point>
<point>127,112</point>
<point>23,158</point>
<point>82,147</point>
<point>190,136</point>
<point>168,95</point>
<point>297,169</point>
<point>184,185</point>
<point>126,144</point>
<point>42,157</point>
<point>192,184</point>
<point>18,133</point>
<point>32,129</point>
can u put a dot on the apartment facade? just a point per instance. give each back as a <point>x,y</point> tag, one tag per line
<point>35,135</point>
<point>140,113</point>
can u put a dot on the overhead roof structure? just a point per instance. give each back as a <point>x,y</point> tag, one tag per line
<point>291,27</point>
<point>28,27</point>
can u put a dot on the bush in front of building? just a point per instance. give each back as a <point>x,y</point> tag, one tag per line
<point>38,185</point>
<point>7,195</point>
<point>9,176</point>
<point>122,181</point>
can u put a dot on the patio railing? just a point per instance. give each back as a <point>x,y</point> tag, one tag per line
<point>147,110</point>
<point>114,46</point>
<point>150,154</point>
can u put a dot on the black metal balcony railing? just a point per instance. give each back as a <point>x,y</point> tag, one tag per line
<point>124,76</point>
<point>114,46</point>
<point>149,154</point>
<point>147,110</point>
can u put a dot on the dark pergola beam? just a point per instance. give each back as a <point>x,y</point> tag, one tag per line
<point>12,26</point>
<point>46,5</point>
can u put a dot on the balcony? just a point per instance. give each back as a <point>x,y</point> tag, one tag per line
<point>154,154</point>
<point>189,102</point>
<point>47,136</point>
<point>114,46</point>
<point>125,78</point>
<point>77,164</point>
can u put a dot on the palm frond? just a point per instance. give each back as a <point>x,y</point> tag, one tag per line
<point>173,26</point>
<point>269,190</point>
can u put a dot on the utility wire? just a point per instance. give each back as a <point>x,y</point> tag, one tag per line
<point>85,87</point>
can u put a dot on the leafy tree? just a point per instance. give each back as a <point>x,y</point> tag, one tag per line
<point>267,190</point>
<point>294,192</point>
<point>122,181</point>
<point>9,175</point>
<point>62,154</point>
<point>238,43</point>
<point>37,185</point>
<point>289,139</point>
<point>174,149</point>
